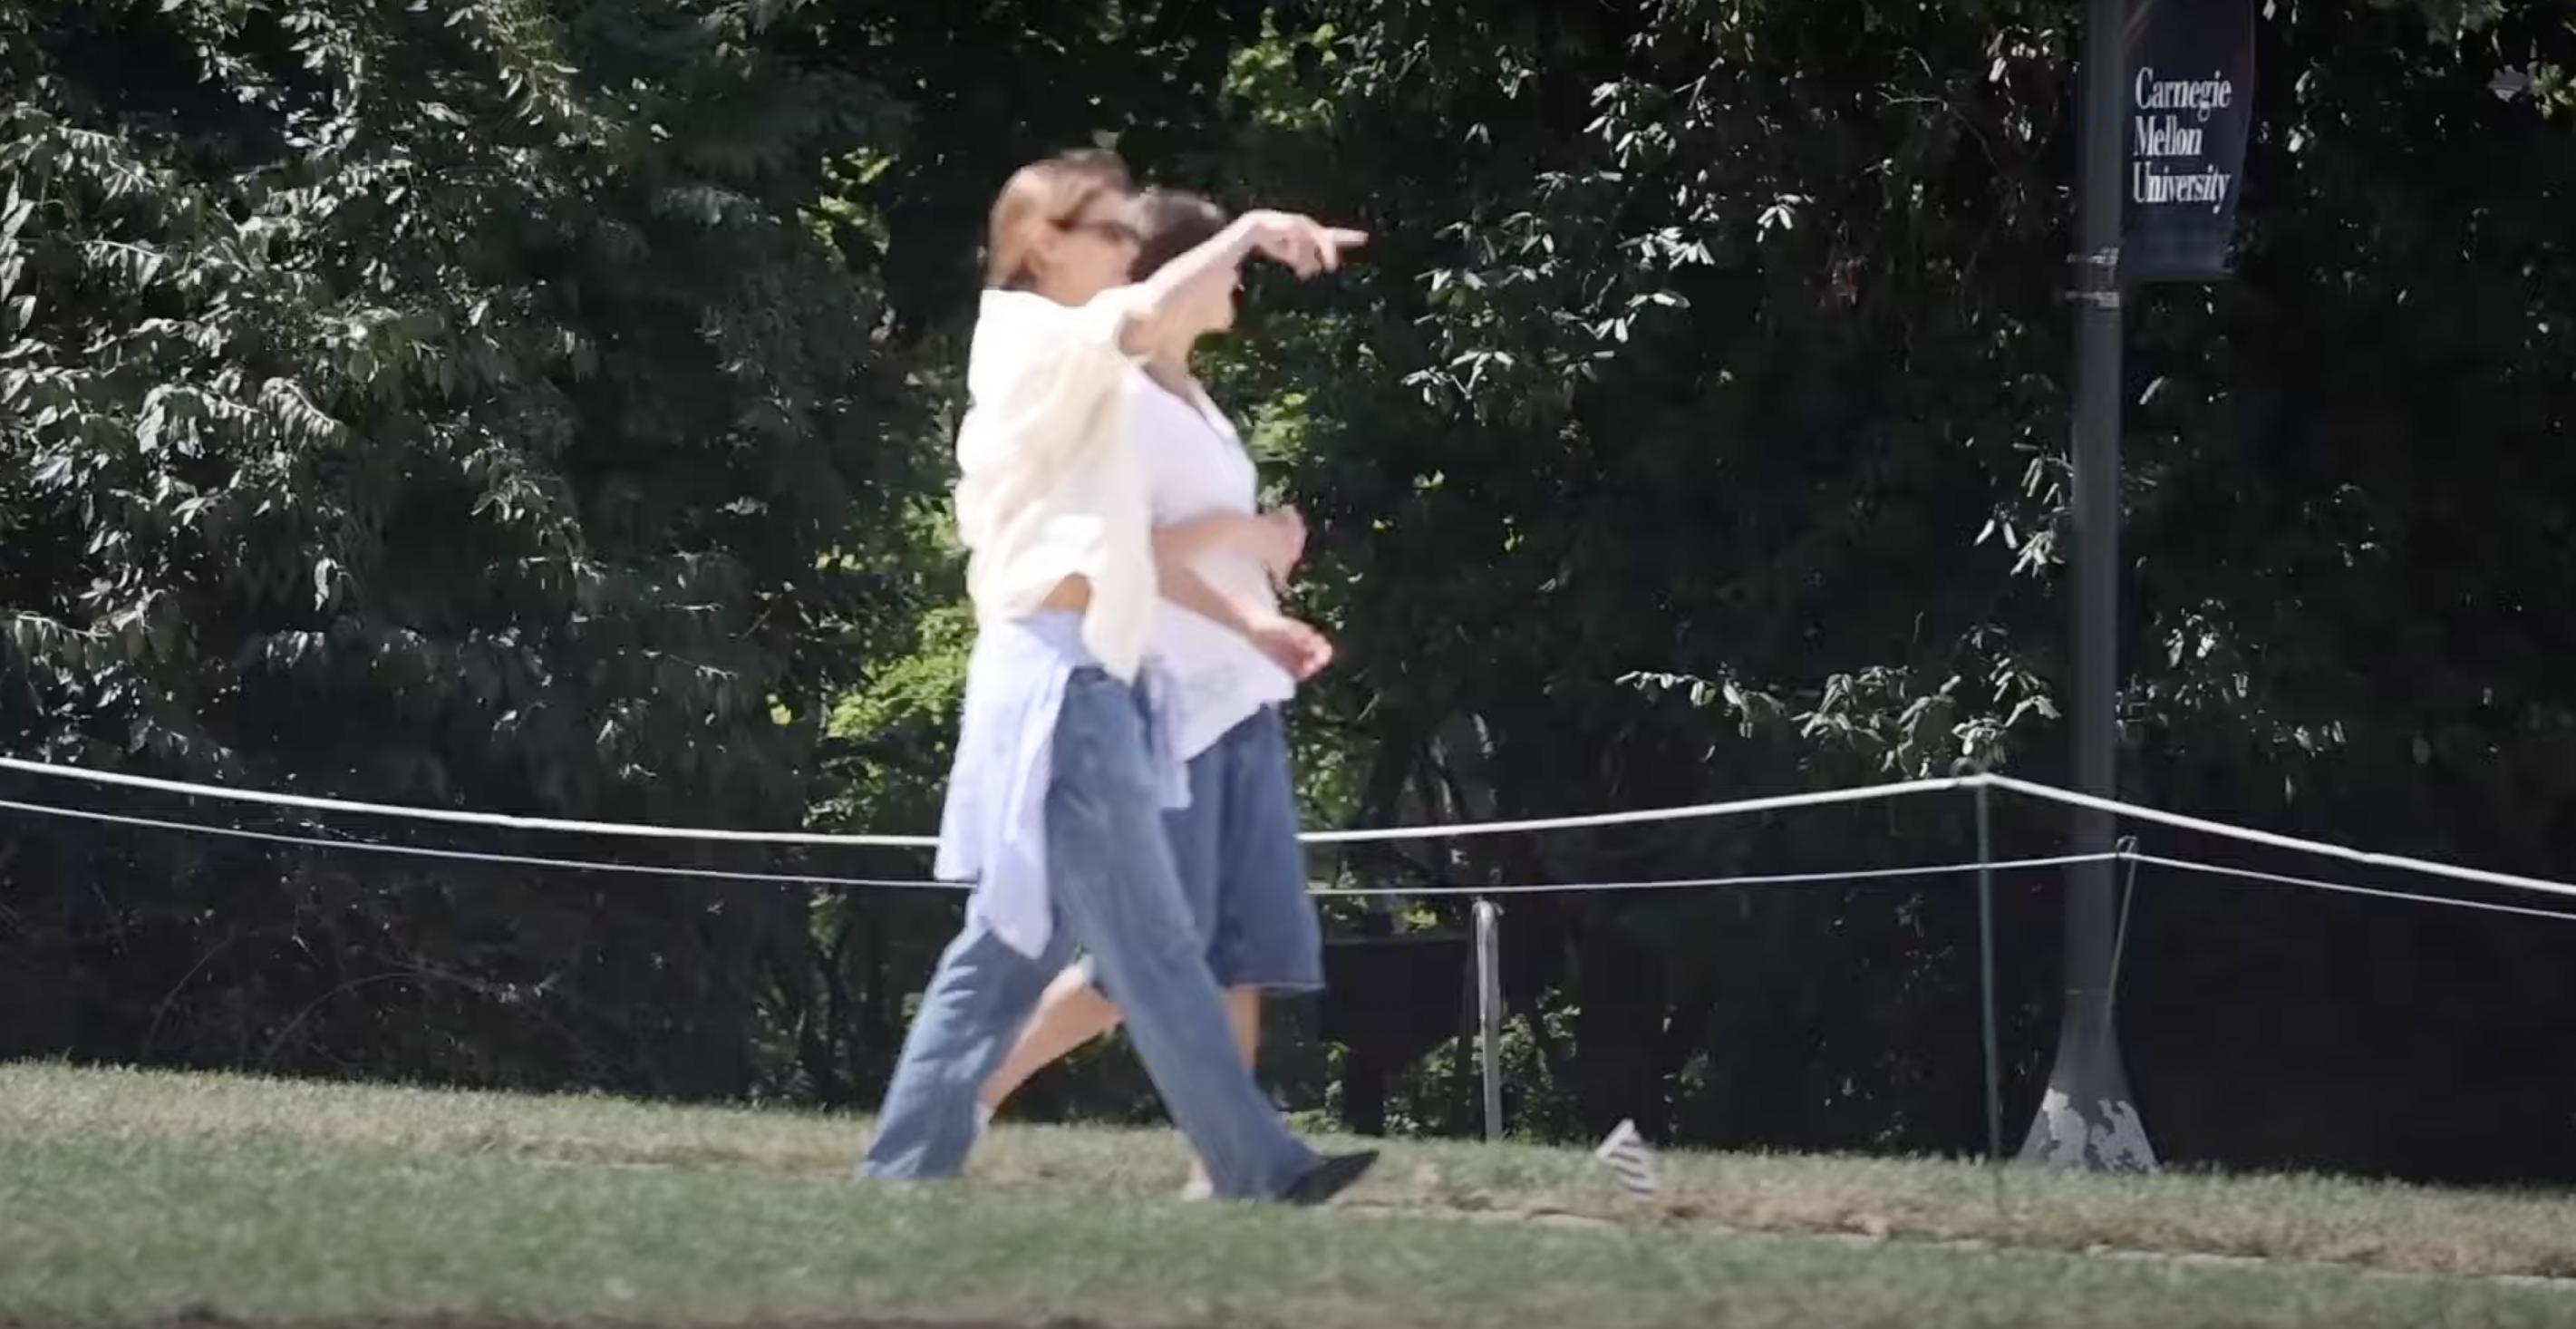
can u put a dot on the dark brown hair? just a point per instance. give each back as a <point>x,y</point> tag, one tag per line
<point>1039,195</point>
<point>1172,222</point>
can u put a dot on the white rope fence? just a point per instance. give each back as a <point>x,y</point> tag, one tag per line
<point>2341,888</point>
<point>459,817</point>
<point>1592,821</point>
<point>812,879</point>
<point>467,855</point>
<point>830,839</point>
<point>1757,879</point>
<point>2248,835</point>
<point>1868,793</point>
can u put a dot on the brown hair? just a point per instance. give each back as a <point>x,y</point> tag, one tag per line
<point>1170,223</point>
<point>1040,195</point>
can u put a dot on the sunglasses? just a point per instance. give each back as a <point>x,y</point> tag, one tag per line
<point>1109,228</point>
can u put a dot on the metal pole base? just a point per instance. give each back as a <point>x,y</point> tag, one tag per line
<point>2087,1120</point>
<point>1489,1011</point>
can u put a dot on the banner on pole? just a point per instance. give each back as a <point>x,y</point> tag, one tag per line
<point>2188,106</point>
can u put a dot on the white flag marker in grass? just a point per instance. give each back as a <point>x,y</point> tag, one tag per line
<point>1626,1153</point>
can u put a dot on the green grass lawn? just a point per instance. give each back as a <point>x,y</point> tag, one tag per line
<point>127,1197</point>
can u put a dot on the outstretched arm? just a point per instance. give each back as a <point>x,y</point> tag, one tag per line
<point>1301,244</point>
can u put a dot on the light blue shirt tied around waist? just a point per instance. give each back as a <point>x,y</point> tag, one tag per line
<point>993,831</point>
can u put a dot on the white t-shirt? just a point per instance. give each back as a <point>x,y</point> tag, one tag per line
<point>1195,466</point>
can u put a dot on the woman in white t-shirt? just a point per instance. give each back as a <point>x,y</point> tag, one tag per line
<point>1054,801</point>
<point>1231,659</point>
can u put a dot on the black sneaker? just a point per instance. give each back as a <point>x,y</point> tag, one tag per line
<point>1331,1175</point>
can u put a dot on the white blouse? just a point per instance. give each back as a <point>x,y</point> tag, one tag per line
<point>1048,486</point>
<point>1196,466</point>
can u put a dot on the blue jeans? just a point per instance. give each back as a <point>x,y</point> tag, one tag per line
<point>1116,897</point>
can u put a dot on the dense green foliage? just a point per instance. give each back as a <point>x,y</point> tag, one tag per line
<point>441,404</point>
<point>540,405</point>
